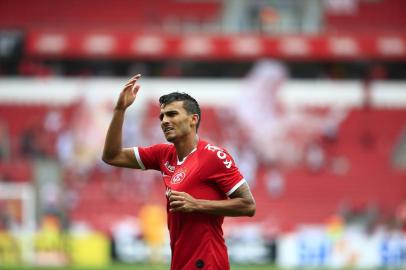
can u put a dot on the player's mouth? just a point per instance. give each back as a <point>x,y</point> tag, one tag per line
<point>168,129</point>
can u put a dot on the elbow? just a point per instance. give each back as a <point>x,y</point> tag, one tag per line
<point>107,159</point>
<point>251,209</point>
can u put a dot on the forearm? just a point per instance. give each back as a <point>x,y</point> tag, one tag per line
<point>241,203</point>
<point>113,142</point>
<point>231,207</point>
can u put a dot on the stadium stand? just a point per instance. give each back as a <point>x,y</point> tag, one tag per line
<point>111,14</point>
<point>367,17</point>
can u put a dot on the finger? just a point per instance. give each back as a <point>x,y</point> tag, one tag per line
<point>135,88</point>
<point>129,83</point>
<point>137,76</point>
<point>132,81</point>
<point>177,192</point>
<point>134,78</point>
<point>177,209</point>
<point>128,86</point>
<point>175,204</point>
<point>175,198</point>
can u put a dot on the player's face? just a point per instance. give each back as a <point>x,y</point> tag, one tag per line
<point>176,123</point>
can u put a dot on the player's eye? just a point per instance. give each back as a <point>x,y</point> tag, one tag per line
<point>171,114</point>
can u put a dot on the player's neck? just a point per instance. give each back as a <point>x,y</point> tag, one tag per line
<point>186,146</point>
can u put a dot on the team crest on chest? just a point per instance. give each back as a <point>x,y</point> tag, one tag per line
<point>178,177</point>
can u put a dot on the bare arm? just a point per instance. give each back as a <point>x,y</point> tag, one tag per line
<point>240,203</point>
<point>113,153</point>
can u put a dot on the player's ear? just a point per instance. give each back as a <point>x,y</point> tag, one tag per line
<point>195,119</point>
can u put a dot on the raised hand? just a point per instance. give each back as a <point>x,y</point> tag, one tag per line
<point>128,94</point>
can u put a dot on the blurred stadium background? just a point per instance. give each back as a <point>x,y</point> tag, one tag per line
<point>309,97</point>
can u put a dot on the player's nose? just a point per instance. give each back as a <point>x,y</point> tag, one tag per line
<point>164,123</point>
<point>165,120</point>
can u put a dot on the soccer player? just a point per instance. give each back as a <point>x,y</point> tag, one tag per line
<point>202,181</point>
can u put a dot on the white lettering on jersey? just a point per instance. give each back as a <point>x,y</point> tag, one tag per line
<point>220,154</point>
<point>169,166</point>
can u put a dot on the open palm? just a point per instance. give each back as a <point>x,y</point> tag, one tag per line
<point>128,94</point>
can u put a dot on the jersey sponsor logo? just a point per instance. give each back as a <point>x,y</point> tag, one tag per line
<point>178,177</point>
<point>220,154</point>
<point>169,166</point>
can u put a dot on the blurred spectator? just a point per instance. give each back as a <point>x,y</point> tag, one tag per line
<point>335,227</point>
<point>401,215</point>
<point>127,245</point>
<point>314,157</point>
<point>153,226</point>
<point>53,124</point>
<point>50,197</point>
<point>339,165</point>
<point>49,243</point>
<point>78,143</point>
<point>32,142</point>
<point>4,141</point>
<point>275,183</point>
<point>271,233</point>
<point>363,215</point>
<point>53,120</point>
<point>65,146</point>
<point>331,125</point>
<point>341,7</point>
<point>10,252</point>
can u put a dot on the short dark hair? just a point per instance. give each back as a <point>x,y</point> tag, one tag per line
<point>189,103</point>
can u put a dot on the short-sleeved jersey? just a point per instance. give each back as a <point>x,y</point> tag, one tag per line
<point>208,172</point>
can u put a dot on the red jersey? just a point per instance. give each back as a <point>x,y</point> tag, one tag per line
<point>208,172</point>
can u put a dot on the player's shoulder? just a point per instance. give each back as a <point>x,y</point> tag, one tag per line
<point>166,146</point>
<point>161,147</point>
<point>212,150</point>
<point>208,147</point>
<point>215,154</point>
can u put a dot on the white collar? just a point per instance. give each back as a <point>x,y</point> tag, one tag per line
<point>183,160</point>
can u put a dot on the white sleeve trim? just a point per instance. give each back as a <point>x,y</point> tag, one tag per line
<point>137,156</point>
<point>235,187</point>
